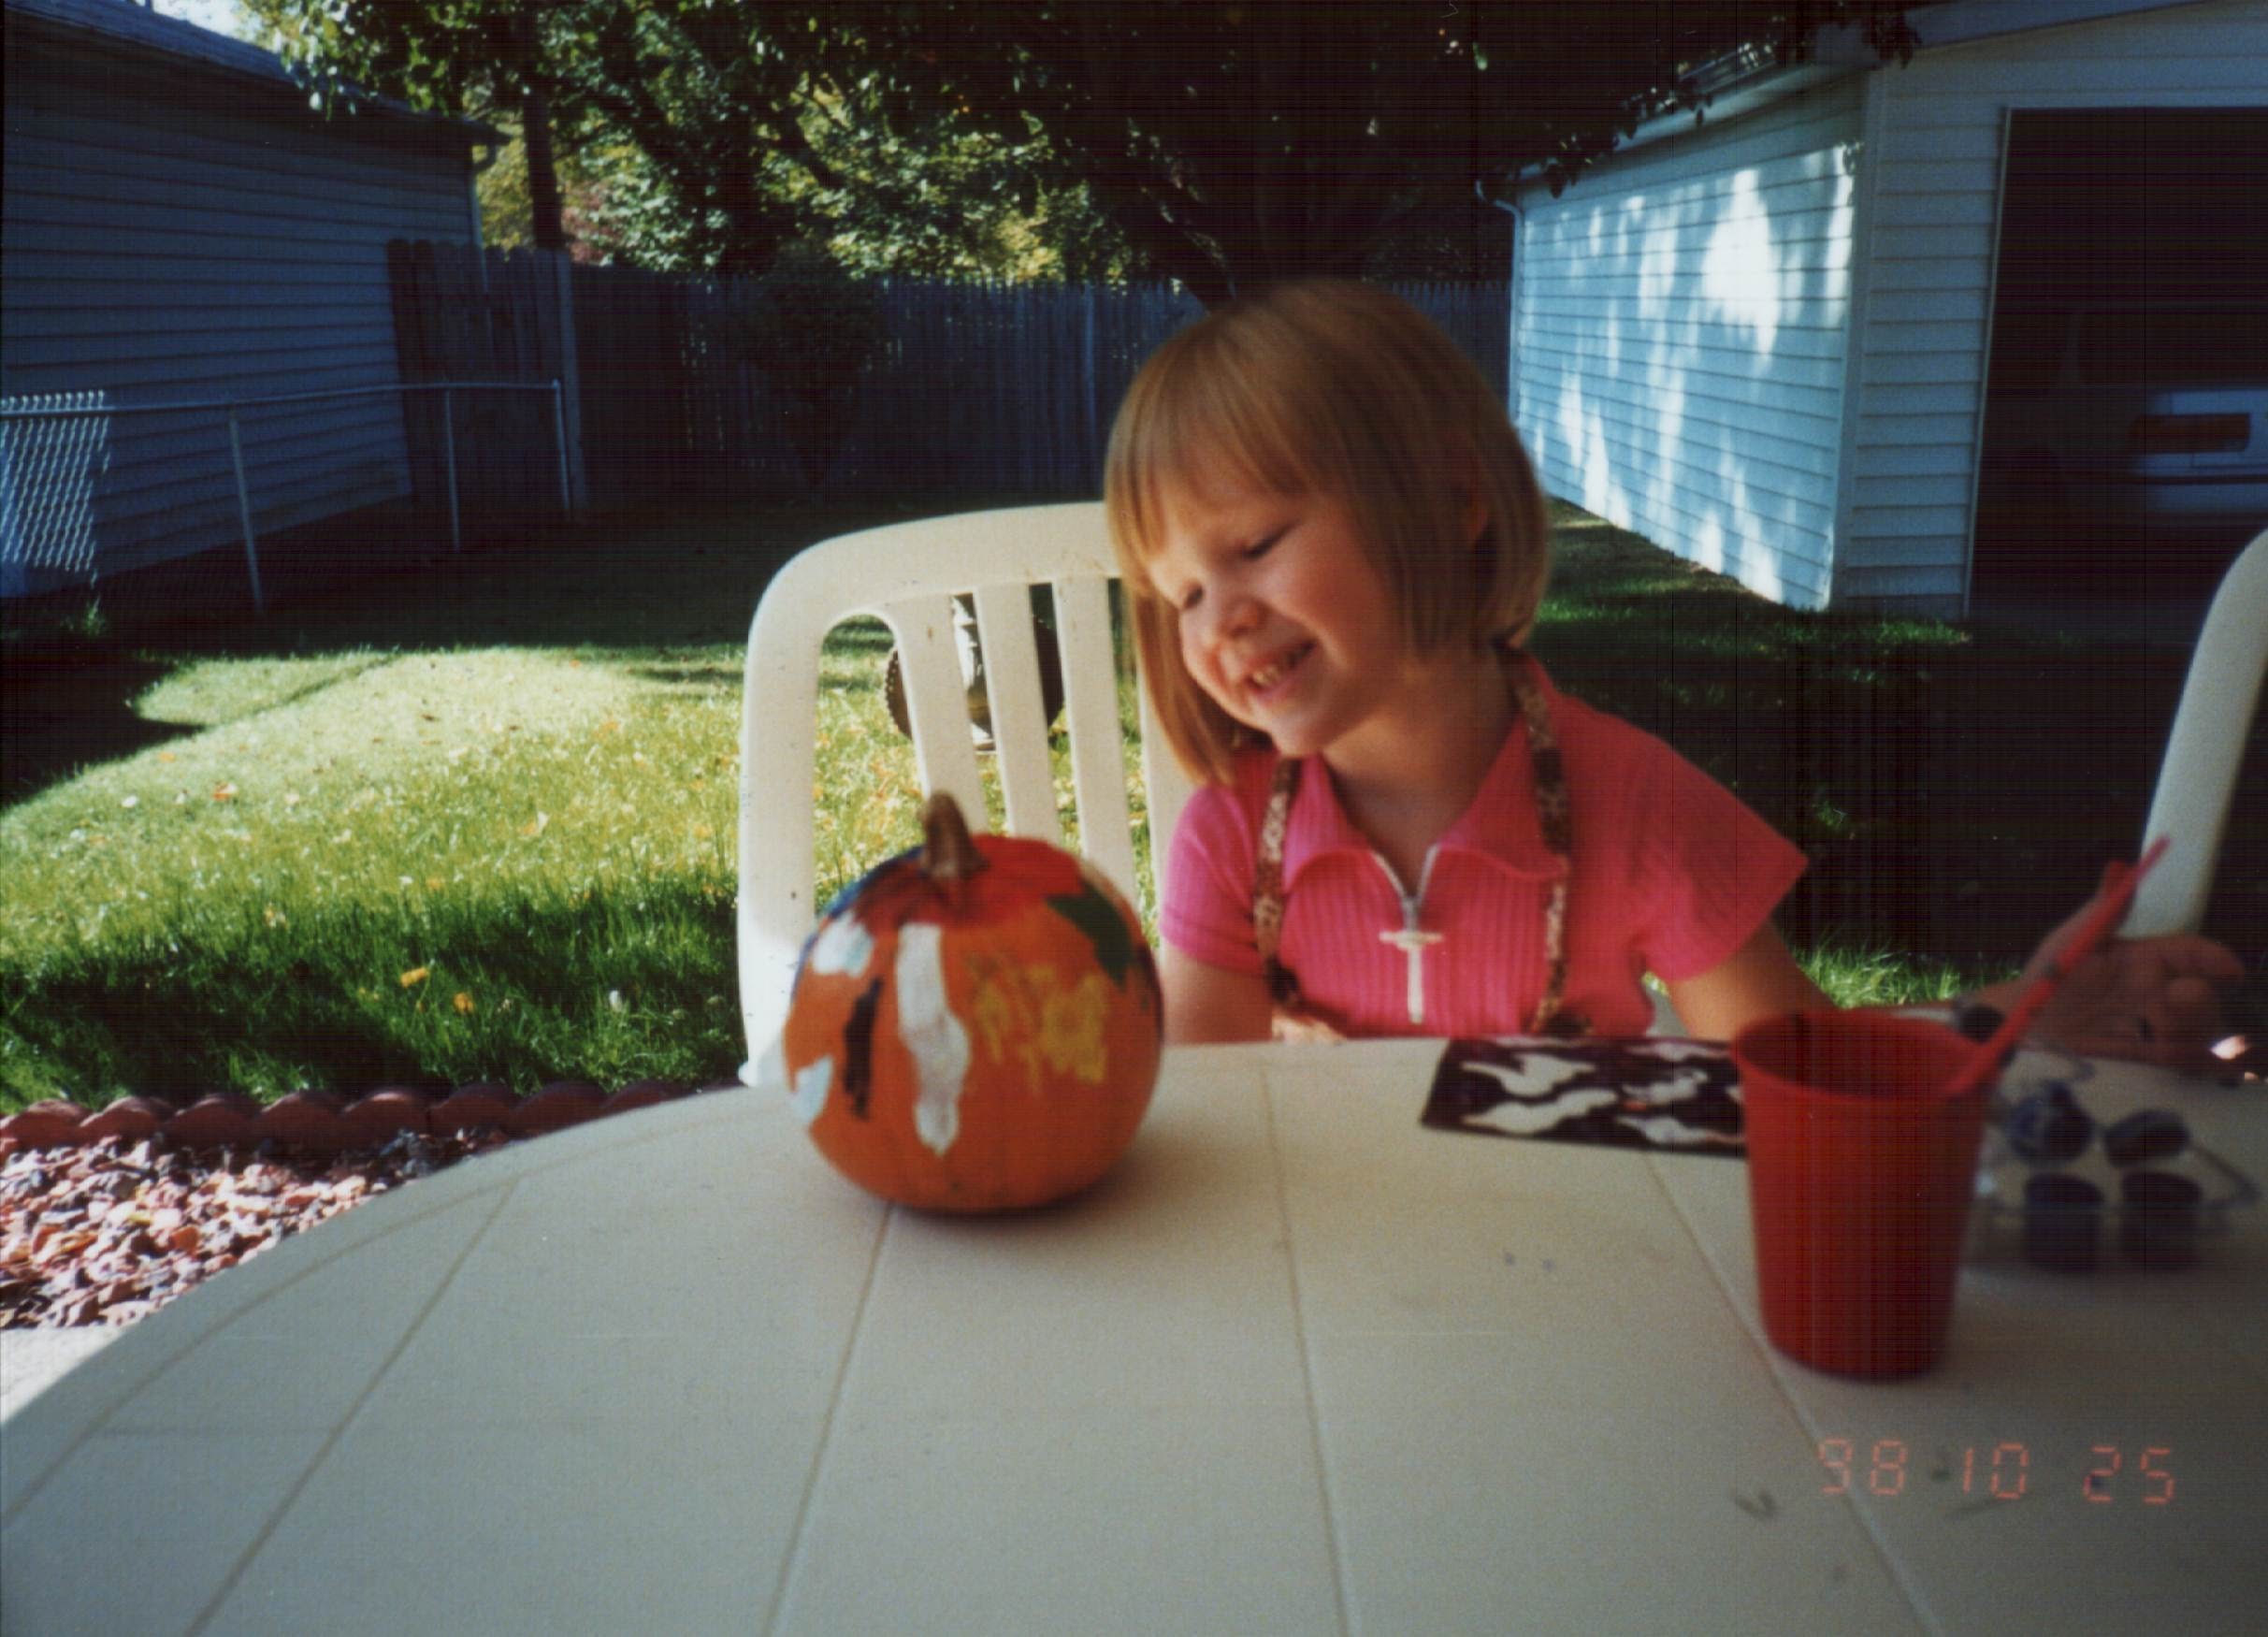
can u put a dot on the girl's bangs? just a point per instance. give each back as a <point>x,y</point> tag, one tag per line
<point>1204,423</point>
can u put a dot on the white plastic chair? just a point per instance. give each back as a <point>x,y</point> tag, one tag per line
<point>2204,749</point>
<point>906,575</point>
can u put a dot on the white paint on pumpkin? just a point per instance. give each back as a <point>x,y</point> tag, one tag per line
<point>842,946</point>
<point>809,1093</point>
<point>932,1035</point>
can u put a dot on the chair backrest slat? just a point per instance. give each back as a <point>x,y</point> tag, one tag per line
<point>1165,787</point>
<point>1019,728</point>
<point>936,700</point>
<point>1098,750</point>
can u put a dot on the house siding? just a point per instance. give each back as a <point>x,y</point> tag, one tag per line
<point>1680,321</point>
<point>1802,407</point>
<point>171,233</point>
<point>1922,339</point>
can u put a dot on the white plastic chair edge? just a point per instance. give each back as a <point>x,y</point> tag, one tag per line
<point>906,575</point>
<point>2204,751</point>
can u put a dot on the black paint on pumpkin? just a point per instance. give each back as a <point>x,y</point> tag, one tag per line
<point>858,1046</point>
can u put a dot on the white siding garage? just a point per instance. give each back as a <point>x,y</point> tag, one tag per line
<point>1680,323</point>
<point>179,226</point>
<point>1763,344</point>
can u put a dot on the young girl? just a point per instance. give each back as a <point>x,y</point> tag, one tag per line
<point>1336,549</point>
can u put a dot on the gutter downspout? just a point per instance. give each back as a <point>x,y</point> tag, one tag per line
<point>1512,351</point>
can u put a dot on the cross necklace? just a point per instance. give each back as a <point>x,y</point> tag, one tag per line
<point>1410,937</point>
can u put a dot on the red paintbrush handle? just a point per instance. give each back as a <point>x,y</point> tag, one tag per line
<point>2119,892</point>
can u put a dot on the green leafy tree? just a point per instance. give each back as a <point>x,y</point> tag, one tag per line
<point>1236,144</point>
<point>709,94</point>
<point>936,198</point>
<point>697,136</point>
<point>815,332</point>
<point>944,203</point>
<point>1227,145</point>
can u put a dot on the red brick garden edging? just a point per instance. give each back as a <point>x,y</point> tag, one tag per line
<point>323,1124</point>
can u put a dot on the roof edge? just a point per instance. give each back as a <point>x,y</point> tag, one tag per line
<point>123,26</point>
<point>1749,79</point>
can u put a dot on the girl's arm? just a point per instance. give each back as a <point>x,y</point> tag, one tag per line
<point>1211,1003</point>
<point>1756,980</point>
<point>2150,999</point>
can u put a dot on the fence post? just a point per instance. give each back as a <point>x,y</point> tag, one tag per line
<point>568,370</point>
<point>252,547</point>
<point>1090,389</point>
<point>457,541</point>
<point>558,430</point>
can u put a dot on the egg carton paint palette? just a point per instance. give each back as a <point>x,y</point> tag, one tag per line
<point>1996,1225</point>
<point>1681,1095</point>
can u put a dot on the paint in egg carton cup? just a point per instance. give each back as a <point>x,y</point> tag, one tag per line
<point>2066,1193</point>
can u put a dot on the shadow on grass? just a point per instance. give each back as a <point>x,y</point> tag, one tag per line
<point>66,706</point>
<point>641,585</point>
<point>1959,789</point>
<point>609,987</point>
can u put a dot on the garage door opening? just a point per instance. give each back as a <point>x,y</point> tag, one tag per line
<point>2125,453</point>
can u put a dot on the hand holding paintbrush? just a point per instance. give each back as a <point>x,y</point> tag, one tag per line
<point>2154,1000</point>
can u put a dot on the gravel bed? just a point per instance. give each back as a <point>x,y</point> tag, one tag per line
<point>108,1232</point>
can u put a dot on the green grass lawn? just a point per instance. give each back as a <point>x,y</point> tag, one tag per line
<point>474,819</point>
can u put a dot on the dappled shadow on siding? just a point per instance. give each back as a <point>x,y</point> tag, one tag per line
<point>1684,353</point>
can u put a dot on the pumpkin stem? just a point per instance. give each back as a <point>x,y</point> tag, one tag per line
<point>947,851</point>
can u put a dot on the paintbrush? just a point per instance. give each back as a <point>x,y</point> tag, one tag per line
<point>2110,908</point>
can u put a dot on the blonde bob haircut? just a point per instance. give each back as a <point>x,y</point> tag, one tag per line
<point>1335,388</point>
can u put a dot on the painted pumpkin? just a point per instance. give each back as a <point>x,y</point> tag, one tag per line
<point>976,1024</point>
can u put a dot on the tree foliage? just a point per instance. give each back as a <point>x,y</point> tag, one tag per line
<point>1239,143</point>
<point>703,136</point>
<point>710,96</point>
<point>816,332</point>
<point>1224,144</point>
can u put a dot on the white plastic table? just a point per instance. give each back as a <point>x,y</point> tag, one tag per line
<point>1299,1365</point>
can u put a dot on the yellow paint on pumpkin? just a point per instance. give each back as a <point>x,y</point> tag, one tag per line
<point>1072,1028</point>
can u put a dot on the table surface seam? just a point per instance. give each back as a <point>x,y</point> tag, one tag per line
<point>1332,1545</point>
<point>120,1400</point>
<point>1868,1524</point>
<point>282,1509</point>
<point>827,1425</point>
<point>451,1188</point>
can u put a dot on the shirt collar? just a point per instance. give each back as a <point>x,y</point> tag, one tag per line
<point>1501,825</point>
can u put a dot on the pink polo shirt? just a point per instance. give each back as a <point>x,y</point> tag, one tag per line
<point>1673,874</point>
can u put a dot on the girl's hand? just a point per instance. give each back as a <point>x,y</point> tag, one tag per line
<point>2154,1000</point>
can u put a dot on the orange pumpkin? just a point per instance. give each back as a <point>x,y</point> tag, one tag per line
<point>976,1024</point>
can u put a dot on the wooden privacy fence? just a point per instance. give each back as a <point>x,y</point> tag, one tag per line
<point>463,315</point>
<point>997,389</point>
<point>1003,389</point>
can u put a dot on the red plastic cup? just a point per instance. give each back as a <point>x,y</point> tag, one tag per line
<point>1860,1174</point>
